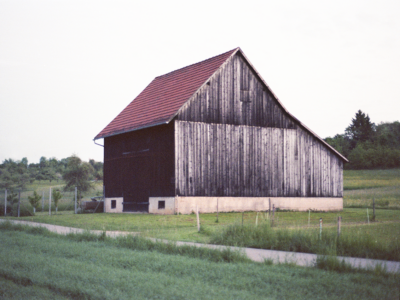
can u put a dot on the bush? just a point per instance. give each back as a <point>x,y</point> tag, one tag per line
<point>23,211</point>
<point>2,209</point>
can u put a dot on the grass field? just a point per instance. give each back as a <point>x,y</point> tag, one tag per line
<point>362,186</point>
<point>36,264</point>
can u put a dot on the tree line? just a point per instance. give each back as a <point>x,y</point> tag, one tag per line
<point>15,174</point>
<point>369,146</point>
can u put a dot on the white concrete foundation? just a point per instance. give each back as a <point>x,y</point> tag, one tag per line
<point>162,205</point>
<point>187,205</point>
<point>118,205</point>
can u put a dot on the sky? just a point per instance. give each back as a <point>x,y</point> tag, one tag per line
<point>67,68</point>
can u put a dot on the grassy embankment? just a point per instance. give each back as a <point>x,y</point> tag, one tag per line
<point>36,264</point>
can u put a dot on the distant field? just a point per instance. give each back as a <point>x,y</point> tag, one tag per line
<point>362,186</point>
<point>38,265</point>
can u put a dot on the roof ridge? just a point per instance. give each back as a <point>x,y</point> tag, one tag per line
<point>198,62</point>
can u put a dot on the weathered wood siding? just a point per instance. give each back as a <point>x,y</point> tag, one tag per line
<point>236,95</point>
<point>250,161</point>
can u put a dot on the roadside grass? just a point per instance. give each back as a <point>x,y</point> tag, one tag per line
<point>39,264</point>
<point>353,241</point>
<point>362,186</point>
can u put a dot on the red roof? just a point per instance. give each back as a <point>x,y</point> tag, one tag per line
<point>164,96</point>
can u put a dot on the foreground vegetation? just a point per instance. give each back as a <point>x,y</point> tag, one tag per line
<point>36,264</point>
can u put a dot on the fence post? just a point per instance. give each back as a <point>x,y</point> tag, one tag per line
<point>104,198</point>
<point>320,228</point>
<point>5,203</point>
<point>198,219</point>
<point>43,201</point>
<point>273,215</point>
<point>75,199</point>
<point>19,201</point>
<point>339,221</point>
<point>373,209</point>
<point>50,202</point>
<point>269,206</point>
<point>217,210</point>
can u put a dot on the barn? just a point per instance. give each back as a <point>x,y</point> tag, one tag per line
<point>213,135</point>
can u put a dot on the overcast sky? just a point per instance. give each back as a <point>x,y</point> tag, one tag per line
<point>67,68</point>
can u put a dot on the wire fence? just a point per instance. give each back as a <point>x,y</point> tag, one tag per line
<point>16,202</point>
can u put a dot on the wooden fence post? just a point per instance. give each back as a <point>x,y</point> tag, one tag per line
<point>373,209</point>
<point>50,202</point>
<point>5,203</point>
<point>320,228</point>
<point>269,206</point>
<point>273,215</point>
<point>75,199</point>
<point>104,198</point>
<point>198,218</point>
<point>217,210</point>
<point>19,201</point>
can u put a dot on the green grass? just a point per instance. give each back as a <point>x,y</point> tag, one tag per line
<point>353,241</point>
<point>39,265</point>
<point>184,227</point>
<point>362,186</point>
<point>383,233</point>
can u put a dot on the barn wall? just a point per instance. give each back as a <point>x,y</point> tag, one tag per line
<point>144,157</point>
<point>235,95</point>
<point>249,161</point>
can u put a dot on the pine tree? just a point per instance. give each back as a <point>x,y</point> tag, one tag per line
<point>360,130</point>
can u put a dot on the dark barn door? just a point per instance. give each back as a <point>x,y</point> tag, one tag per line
<point>137,178</point>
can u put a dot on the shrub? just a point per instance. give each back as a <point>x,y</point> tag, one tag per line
<point>23,211</point>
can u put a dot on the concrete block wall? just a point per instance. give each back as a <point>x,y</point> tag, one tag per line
<point>187,205</point>
<point>119,207</point>
<point>155,205</point>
